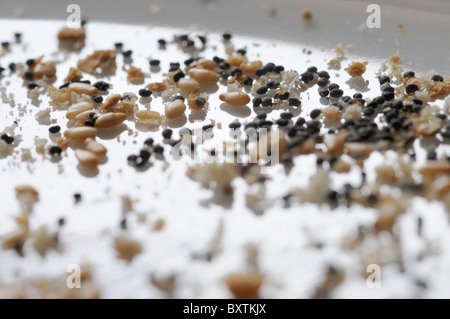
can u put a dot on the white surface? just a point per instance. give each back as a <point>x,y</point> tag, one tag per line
<point>284,236</point>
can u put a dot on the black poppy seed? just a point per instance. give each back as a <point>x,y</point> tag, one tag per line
<point>29,62</point>
<point>200,101</point>
<point>324,74</point>
<point>431,155</point>
<point>101,85</point>
<point>202,39</point>
<point>286,115</point>
<point>333,86</point>
<point>178,97</point>
<point>411,88</point>
<point>17,36</point>
<point>417,108</point>
<point>224,74</point>
<point>12,66</point>
<point>149,141</point>
<point>187,62</point>
<point>278,69</point>
<point>174,68</point>
<point>417,101</point>
<point>29,74</point>
<point>162,42</point>
<point>8,139</point>
<point>322,82</point>
<point>272,84</point>
<point>54,129</point>
<point>83,81</point>
<point>55,150</point>
<point>336,93</point>
<point>177,76</point>
<point>315,113</point>
<point>372,104</point>
<point>131,158</point>
<point>236,71</point>
<point>262,90</point>
<point>346,99</point>
<point>283,96</point>
<point>189,43</point>
<point>384,79</point>
<point>66,84</point>
<point>144,154</point>
<point>32,85</point>
<point>441,116</point>
<point>261,116</point>
<point>92,115</point>
<point>90,123</point>
<point>368,112</point>
<point>167,133</point>
<point>267,101</point>
<point>257,101</point>
<point>234,125</point>
<point>248,81</point>
<point>61,221</point>
<point>379,100</point>
<point>409,74</point>
<point>361,101</point>
<point>140,161</point>
<point>241,51</point>
<point>357,96</point>
<point>387,88</point>
<point>158,149</point>
<point>282,122</point>
<point>207,127</point>
<point>312,69</point>
<point>388,96</point>
<point>294,101</point>
<point>154,62</point>
<point>265,123</point>
<point>260,72</point>
<point>253,125</point>
<point>77,197</point>
<point>97,98</point>
<point>127,54</point>
<point>307,77</point>
<point>2,69</point>
<point>437,78</point>
<point>224,65</point>
<point>118,45</point>
<point>217,59</point>
<point>269,67</point>
<point>227,36</point>
<point>300,121</point>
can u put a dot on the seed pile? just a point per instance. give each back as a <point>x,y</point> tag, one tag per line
<point>342,132</point>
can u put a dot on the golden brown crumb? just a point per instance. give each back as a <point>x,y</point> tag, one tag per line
<point>245,285</point>
<point>395,58</point>
<point>135,75</point>
<point>72,34</point>
<point>157,86</point>
<point>306,15</point>
<point>126,248</point>
<point>95,60</point>
<point>74,75</point>
<point>356,68</point>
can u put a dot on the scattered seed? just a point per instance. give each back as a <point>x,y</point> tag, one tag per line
<point>54,129</point>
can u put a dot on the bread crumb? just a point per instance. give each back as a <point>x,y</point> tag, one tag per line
<point>356,68</point>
